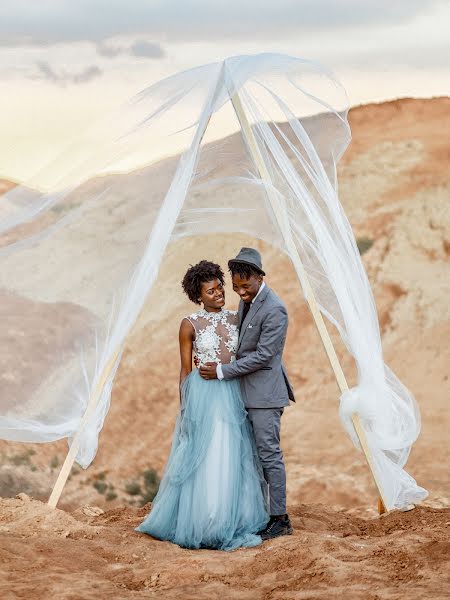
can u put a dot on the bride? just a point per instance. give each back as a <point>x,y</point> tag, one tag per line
<point>213,493</point>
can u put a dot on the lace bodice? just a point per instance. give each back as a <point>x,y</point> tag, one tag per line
<point>216,335</point>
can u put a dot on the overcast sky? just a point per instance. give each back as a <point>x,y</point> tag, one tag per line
<point>65,62</point>
<point>52,21</point>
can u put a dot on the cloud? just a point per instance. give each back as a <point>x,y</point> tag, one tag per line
<point>140,48</point>
<point>147,49</point>
<point>108,51</point>
<point>87,74</point>
<point>47,22</point>
<point>63,77</point>
<point>388,58</point>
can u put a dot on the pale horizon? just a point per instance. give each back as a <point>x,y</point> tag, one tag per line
<point>175,152</point>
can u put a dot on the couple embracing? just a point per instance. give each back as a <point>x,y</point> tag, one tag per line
<point>224,484</point>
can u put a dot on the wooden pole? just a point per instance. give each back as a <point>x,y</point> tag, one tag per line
<point>95,396</point>
<point>282,220</point>
<point>75,445</point>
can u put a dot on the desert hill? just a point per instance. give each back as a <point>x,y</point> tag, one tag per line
<point>394,185</point>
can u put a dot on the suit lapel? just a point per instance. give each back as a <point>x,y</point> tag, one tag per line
<point>251,313</point>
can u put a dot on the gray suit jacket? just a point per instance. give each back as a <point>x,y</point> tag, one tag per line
<point>264,381</point>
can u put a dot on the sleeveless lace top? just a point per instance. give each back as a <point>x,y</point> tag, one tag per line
<point>216,335</point>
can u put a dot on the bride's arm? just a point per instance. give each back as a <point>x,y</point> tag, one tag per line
<point>186,338</point>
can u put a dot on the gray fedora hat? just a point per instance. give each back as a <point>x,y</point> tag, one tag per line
<point>249,256</point>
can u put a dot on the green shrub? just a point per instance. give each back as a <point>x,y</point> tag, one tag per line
<point>364,244</point>
<point>100,486</point>
<point>22,459</point>
<point>141,490</point>
<point>144,488</point>
<point>111,493</point>
<point>133,488</point>
<point>151,485</point>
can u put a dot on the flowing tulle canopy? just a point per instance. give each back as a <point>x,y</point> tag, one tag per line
<point>246,145</point>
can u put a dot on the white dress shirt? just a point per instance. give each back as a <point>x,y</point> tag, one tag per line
<point>219,366</point>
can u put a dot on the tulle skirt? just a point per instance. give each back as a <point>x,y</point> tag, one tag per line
<point>213,493</point>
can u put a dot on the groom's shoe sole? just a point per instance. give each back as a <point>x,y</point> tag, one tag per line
<point>286,531</point>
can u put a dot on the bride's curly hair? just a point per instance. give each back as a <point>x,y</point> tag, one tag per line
<point>200,273</point>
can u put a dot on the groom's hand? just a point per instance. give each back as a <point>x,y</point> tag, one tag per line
<point>209,371</point>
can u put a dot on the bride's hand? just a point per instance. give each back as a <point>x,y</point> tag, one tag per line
<point>196,361</point>
<point>209,371</point>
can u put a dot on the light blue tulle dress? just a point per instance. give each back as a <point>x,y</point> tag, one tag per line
<point>213,493</point>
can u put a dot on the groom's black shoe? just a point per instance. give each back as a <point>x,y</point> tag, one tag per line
<point>277,526</point>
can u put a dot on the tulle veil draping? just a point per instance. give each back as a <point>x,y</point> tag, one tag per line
<point>82,241</point>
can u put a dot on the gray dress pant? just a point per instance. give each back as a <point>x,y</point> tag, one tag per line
<point>266,427</point>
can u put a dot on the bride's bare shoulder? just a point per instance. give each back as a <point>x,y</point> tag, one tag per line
<point>187,322</point>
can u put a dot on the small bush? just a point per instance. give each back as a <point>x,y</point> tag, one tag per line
<point>144,488</point>
<point>133,488</point>
<point>22,459</point>
<point>54,462</point>
<point>111,493</point>
<point>364,244</point>
<point>151,485</point>
<point>100,486</point>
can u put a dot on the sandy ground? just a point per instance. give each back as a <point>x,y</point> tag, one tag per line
<point>54,554</point>
<point>394,186</point>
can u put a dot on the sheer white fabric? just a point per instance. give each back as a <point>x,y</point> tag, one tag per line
<point>275,181</point>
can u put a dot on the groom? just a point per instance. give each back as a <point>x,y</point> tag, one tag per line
<point>265,386</point>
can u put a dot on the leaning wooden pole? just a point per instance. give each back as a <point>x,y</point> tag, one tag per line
<point>168,222</point>
<point>75,445</point>
<point>282,220</point>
